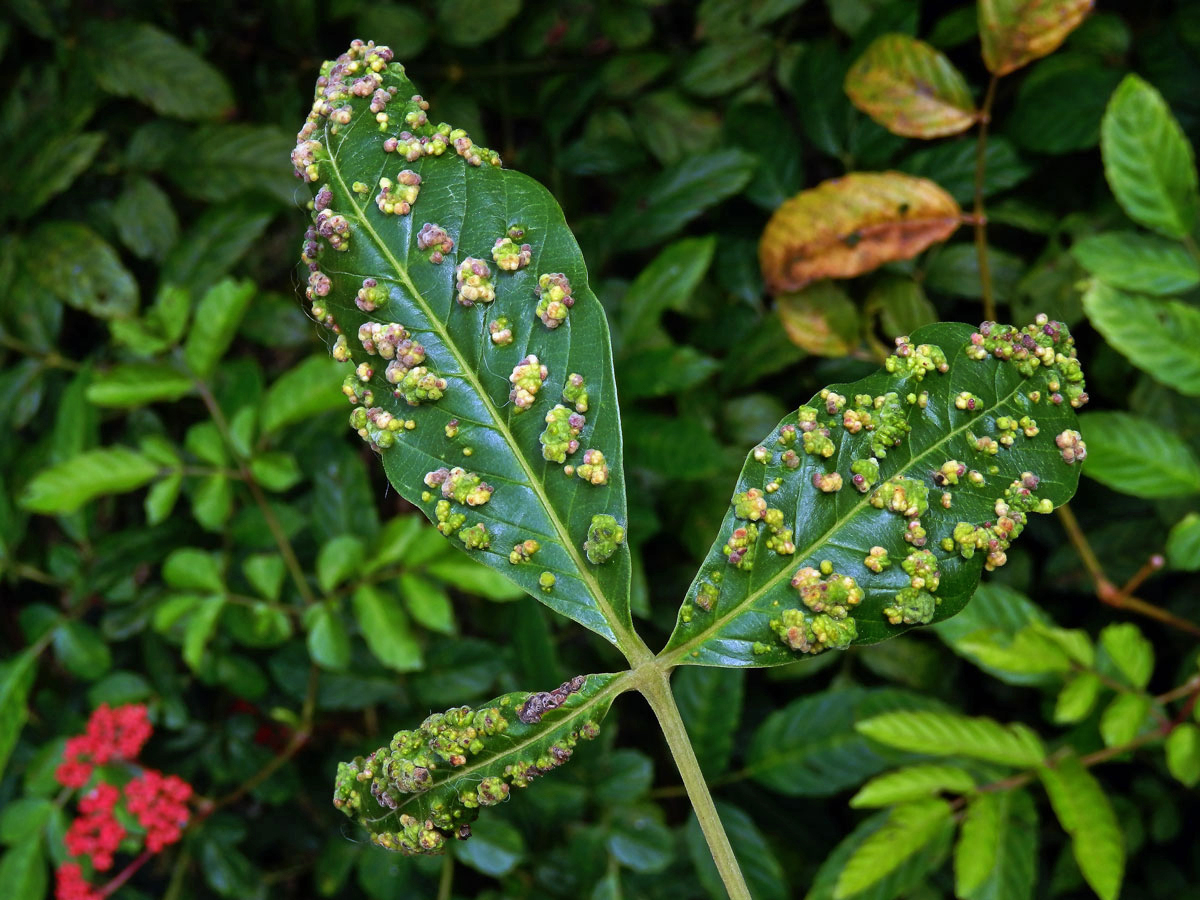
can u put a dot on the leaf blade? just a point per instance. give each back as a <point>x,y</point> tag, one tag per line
<point>1086,815</point>
<point>1016,32</point>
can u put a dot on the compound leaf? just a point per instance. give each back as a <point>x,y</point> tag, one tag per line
<point>878,504</point>
<point>444,274</point>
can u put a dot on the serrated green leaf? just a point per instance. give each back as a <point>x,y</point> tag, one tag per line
<point>910,88</point>
<point>995,609</point>
<point>66,487</point>
<point>532,499</point>
<point>897,883</point>
<point>338,559</point>
<point>725,64</point>
<point>307,390</point>
<point>710,702</point>
<point>433,773</point>
<point>59,160</point>
<point>728,615</point>
<point>217,318</point>
<point>192,569</point>
<point>200,629</point>
<point>1086,815</point>
<point>1162,338</point>
<point>145,219</point>
<point>1183,753</point>
<point>1137,456</point>
<point>1149,161</point>
<point>810,748</point>
<point>764,875</point>
<point>16,678</point>
<point>427,603</point>
<point>666,283</point>
<point>908,829</point>
<point>23,869</point>
<point>385,628</point>
<point>469,576</point>
<point>136,384</point>
<point>328,642</point>
<point>1129,650</point>
<point>1016,32</point>
<point>996,854</point>
<point>140,61</point>
<point>1025,652</point>
<point>1142,263</point>
<point>912,783</point>
<point>82,270</point>
<point>161,497</point>
<point>1123,718</point>
<point>1076,699</point>
<point>1183,544</point>
<point>950,734</point>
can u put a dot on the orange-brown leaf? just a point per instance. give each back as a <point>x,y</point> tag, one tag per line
<point>821,319</point>
<point>910,88</point>
<point>1016,32</point>
<point>850,225</point>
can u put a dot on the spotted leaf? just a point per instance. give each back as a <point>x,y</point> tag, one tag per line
<point>1016,32</point>
<point>479,360</point>
<point>429,783</point>
<point>847,226</point>
<point>876,506</point>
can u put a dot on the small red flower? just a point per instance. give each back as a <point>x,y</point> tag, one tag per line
<point>69,884</point>
<point>96,833</point>
<point>159,803</point>
<point>111,734</point>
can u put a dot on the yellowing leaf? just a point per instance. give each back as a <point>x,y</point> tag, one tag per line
<point>846,226</point>
<point>910,88</point>
<point>1016,32</point>
<point>821,319</point>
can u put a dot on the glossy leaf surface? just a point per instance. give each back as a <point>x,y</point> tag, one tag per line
<point>1016,32</point>
<point>846,226</point>
<point>910,88</point>
<point>475,425</point>
<point>790,491</point>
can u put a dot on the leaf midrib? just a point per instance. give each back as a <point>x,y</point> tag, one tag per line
<point>720,621</point>
<point>617,686</point>
<point>620,633</point>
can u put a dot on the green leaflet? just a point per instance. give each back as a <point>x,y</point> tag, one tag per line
<point>523,513</point>
<point>428,784</point>
<point>1085,813</point>
<point>797,492</point>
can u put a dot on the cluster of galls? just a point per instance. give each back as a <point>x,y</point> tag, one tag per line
<point>827,623</point>
<point>370,295</point>
<point>436,240</point>
<point>554,298</point>
<point>1044,344</point>
<point>377,426</point>
<point>474,282</point>
<point>916,604</point>
<point>397,198</point>
<point>538,704</point>
<point>593,469</point>
<point>561,437</point>
<point>501,331</point>
<point>526,378</point>
<point>414,383</point>
<point>605,535</point>
<point>1071,444</point>
<point>523,552</point>
<point>461,486</point>
<point>334,228</point>
<point>752,506</point>
<point>406,767</point>
<point>994,538</point>
<point>575,392</point>
<point>916,361</point>
<point>509,255</point>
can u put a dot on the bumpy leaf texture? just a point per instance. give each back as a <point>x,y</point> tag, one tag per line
<point>876,506</point>
<point>480,361</point>
<point>430,783</point>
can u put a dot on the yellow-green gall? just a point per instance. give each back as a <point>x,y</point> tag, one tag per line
<point>605,535</point>
<point>546,581</point>
<point>877,559</point>
<point>523,552</point>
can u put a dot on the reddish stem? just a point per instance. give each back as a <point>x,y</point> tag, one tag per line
<point>125,874</point>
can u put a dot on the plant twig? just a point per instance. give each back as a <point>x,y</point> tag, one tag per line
<point>125,874</point>
<point>446,882</point>
<point>656,688</point>
<point>980,215</point>
<point>1108,592</point>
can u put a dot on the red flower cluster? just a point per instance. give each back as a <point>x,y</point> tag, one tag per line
<point>111,734</point>
<point>157,801</point>
<point>160,805</point>
<point>70,885</point>
<point>96,833</point>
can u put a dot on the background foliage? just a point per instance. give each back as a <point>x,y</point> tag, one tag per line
<point>221,547</point>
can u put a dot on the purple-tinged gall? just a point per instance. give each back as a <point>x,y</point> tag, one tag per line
<point>526,378</point>
<point>575,392</point>
<point>474,282</point>
<point>554,293</point>
<point>1071,444</point>
<point>510,256</point>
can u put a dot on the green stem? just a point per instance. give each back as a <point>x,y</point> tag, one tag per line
<point>656,687</point>
<point>446,883</point>
<point>981,247</point>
